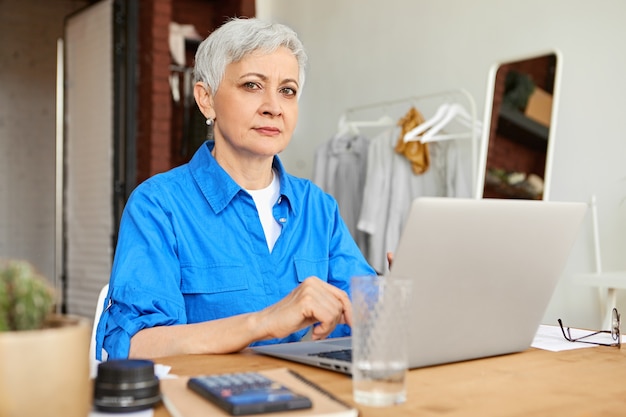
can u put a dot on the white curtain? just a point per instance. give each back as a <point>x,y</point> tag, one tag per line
<point>89,155</point>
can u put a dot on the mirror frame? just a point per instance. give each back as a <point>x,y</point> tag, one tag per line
<point>486,132</point>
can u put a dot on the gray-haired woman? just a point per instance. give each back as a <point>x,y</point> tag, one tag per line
<point>230,250</point>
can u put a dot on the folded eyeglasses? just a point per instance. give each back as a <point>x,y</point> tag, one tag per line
<point>615,334</point>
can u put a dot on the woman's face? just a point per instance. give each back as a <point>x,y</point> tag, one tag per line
<point>256,107</point>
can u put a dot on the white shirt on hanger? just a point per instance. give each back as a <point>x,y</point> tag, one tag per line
<point>339,169</point>
<point>391,186</point>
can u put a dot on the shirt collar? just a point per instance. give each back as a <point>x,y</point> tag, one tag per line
<point>219,188</point>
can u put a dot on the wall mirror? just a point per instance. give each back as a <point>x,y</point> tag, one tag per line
<point>519,127</point>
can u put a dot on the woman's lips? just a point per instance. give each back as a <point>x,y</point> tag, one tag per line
<point>267,130</point>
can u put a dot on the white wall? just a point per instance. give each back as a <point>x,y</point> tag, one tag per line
<point>364,51</point>
<point>29,30</point>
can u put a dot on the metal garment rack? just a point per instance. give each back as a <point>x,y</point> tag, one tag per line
<point>459,96</point>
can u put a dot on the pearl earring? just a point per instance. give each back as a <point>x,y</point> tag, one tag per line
<point>209,122</point>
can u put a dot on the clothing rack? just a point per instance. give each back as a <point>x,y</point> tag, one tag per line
<point>435,99</point>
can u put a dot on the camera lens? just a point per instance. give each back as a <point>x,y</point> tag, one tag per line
<point>126,385</point>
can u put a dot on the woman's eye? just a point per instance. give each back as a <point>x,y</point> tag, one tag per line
<point>288,91</point>
<point>251,85</point>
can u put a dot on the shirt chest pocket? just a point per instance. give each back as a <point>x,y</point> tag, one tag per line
<point>213,279</point>
<point>311,267</point>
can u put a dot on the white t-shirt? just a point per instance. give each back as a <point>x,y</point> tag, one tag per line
<point>264,200</point>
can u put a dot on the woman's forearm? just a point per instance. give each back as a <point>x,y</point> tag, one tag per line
<point>225,335</point>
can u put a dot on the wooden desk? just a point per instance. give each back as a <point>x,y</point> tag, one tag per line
<point>583,382</point>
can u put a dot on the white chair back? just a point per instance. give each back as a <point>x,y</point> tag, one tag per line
<point>92,348</point>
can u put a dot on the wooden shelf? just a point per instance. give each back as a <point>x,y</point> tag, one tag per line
<point>514,125</point>
<point>501,190</point>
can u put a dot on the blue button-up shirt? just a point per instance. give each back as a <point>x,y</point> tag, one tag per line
<point>191,248</point>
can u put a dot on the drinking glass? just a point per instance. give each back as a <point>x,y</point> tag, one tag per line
<point>379,339</point>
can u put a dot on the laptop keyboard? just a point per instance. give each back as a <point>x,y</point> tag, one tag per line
<point>341,355</point>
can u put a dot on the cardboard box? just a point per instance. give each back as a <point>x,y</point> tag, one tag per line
<point>539,106</point>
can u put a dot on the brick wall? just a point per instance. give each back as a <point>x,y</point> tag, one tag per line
<point>154,111</point>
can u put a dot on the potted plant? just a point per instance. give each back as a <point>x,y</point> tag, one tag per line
<point>44,363</point>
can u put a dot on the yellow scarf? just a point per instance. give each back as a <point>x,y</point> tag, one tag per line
<point>415,151</point>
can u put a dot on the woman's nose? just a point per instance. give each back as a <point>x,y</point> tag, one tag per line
<point>271,105</point>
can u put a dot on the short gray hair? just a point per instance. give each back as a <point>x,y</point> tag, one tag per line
<point>236,39</point>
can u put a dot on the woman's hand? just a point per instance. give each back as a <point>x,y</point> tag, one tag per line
<point>390,258</point>
<point>312,302</point>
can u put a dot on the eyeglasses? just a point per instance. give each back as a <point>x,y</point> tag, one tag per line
<point>614,333</point>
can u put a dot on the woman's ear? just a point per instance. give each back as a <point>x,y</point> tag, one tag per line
<point>204,99</point>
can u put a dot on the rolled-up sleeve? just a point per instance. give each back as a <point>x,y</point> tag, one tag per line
<point>124,320</point>
<point>145,290</point>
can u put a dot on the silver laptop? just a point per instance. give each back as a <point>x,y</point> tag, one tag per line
<point>484,272</point>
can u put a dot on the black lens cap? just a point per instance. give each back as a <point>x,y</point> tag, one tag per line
<point>126,385</point>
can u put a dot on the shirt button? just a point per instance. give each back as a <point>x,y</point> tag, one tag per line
<point>280,199</point>
<point>282,220</point>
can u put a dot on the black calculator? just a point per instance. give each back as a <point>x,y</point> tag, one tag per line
<point>244,393</point>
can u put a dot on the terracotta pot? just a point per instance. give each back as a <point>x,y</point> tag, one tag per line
<point>46,372</point>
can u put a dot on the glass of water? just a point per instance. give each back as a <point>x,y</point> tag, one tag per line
<point>379,339</point>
